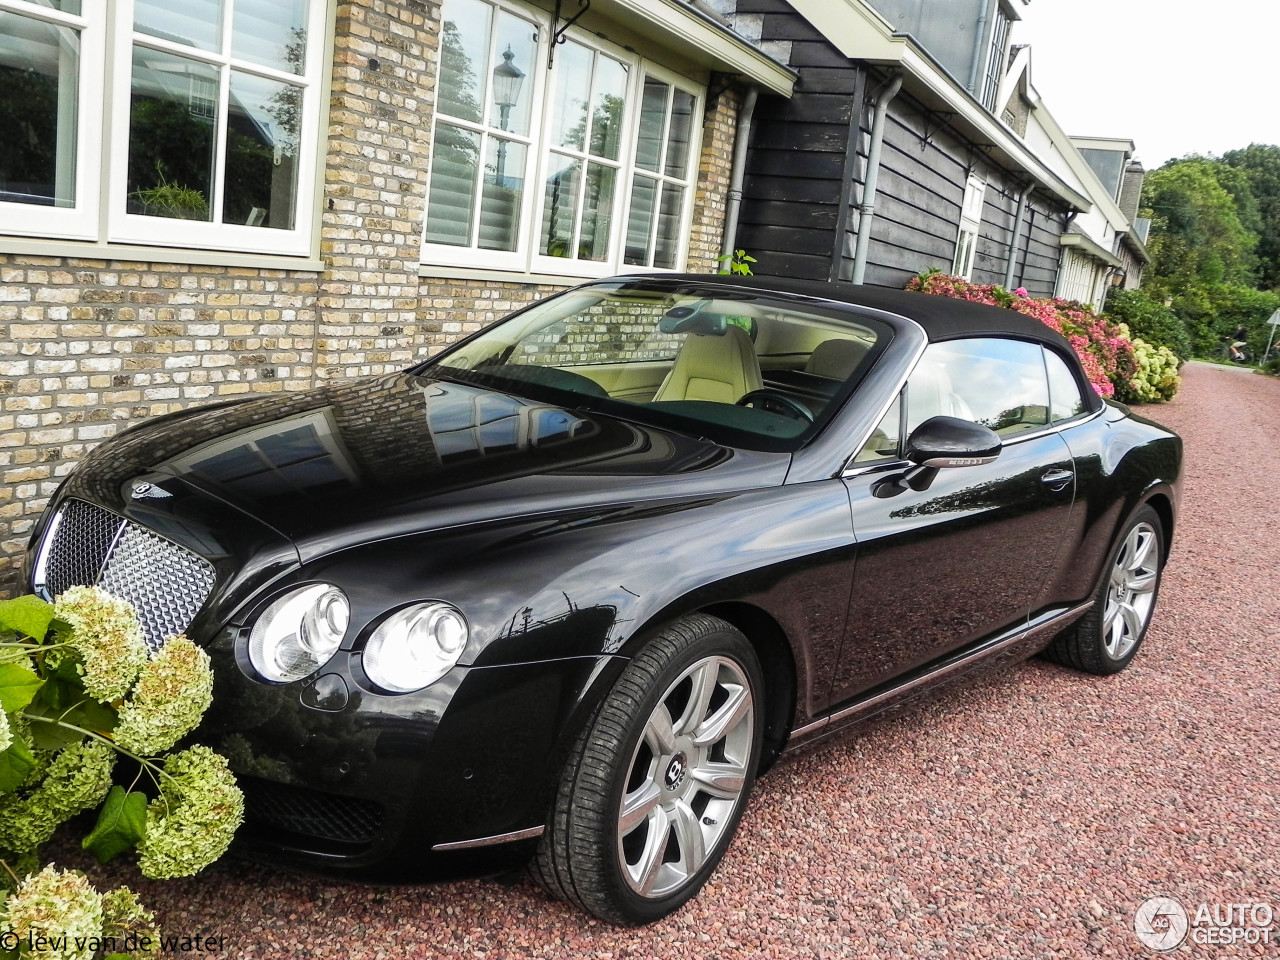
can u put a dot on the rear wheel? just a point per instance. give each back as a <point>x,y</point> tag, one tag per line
<point>1106,638</point>
<point>656,784</point>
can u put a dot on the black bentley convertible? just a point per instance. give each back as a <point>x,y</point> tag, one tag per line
<point>559,594</point>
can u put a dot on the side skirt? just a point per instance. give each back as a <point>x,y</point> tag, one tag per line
<point>1009,647</point>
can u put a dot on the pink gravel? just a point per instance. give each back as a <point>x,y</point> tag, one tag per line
<point>1025,815</point>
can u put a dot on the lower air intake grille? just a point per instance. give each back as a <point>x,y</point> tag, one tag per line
<point>87,546</point>
<point>326,816</point>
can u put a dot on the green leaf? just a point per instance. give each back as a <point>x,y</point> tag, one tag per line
<point>16,763</point>
<point>122,823</point>
<point>18,686</point>
<point>29,616</point>
<point>50,736</point>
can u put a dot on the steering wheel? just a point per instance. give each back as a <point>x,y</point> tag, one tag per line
<point>774,402</point>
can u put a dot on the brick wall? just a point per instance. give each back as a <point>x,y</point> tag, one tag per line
<point>88,346</point>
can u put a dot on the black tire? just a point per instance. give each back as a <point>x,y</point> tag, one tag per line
<point>1107,638</point>
<point>679,822</point>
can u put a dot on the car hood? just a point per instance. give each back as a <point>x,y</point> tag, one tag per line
<point>369,459</point>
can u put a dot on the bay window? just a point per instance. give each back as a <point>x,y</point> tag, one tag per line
<point>192,119</point>
<point>577,169</point>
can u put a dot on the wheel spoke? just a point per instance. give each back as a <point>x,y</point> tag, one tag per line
<point>1132,622</point>
<point>659,732</point>
<point>704,686</point>
<point>725,719</point>
<point>645,872</point>
<point>1142,583</point>
<point>1109,617</point>
<point>688,830</point>
<point>721,780</point>
<point>1142,546</point>
<point>638,806</point>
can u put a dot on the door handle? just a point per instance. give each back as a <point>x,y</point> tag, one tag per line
<point>1057,479</point>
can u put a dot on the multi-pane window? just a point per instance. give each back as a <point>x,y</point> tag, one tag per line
<point>970,226</point>
<point>994,72</point>
<point>214,104</point>
<point>218,97</point>
<point>574,169</point>
<point>49,52</point>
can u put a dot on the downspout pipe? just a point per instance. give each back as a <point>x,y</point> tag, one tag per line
<point>738,172</point>
<point>867,209</point>
<point>1011,260</point>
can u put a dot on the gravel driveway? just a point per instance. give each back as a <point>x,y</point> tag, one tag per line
<point>1026,815</point>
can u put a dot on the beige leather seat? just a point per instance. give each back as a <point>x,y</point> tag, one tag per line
<point>720,369</point>
<point>836,359</point>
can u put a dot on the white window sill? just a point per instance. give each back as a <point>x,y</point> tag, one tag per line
<point>427,270</point>
<point>25,246</point>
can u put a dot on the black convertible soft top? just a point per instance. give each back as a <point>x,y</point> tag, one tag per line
<point>941,317</point>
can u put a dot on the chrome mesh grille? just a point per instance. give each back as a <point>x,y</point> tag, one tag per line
<point>89,546</point>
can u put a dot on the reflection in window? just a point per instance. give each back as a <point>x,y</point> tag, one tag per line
<point>192,23</point>
<point>39,68</point>
<point>573,226</point>
<point>171,135</point>
<point>659,186</point>
<point>480,145</point>
<point>883,444</point>
<point>1065,398</point>
<point>177,113</point>
<point>998,383</point>
<point>501,117</point>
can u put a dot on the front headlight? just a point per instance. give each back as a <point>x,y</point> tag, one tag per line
<point>416,646</point>
<point>299,632</point>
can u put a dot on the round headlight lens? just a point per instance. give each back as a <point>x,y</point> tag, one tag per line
<point>416,646</point>
<point>299,632</point>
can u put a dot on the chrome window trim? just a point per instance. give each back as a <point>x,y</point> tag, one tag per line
<point>864,468</point>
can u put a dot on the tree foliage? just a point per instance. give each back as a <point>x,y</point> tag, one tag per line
<point>1215,246</point>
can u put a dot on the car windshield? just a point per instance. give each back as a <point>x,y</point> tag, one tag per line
<point>743,367</point>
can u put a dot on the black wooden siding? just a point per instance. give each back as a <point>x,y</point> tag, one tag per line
<point>791,218</point>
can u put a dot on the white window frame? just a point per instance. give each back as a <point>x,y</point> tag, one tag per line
<point>527,258</point>
<point>975,192</point>
<point>126,227</point>
<point>450,255</point>
<point>80,221</point>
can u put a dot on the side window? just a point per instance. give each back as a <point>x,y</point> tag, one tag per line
<point>1001,384</point>
<point>885,440</point>
<point>1065,399</point>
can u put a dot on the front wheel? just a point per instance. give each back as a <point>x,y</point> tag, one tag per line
<point>1106,638</point>
<point>657,782</point>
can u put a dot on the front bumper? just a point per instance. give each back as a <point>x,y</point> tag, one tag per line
<point>450,781</point>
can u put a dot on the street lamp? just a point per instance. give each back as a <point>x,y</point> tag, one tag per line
<point>507,79</point>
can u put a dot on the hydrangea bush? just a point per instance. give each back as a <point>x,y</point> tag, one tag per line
<point>1112,360</point>
<point>84,709</point>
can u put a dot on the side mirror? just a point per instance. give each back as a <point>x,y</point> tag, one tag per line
<point>941,442</point>
<point>950,442</point>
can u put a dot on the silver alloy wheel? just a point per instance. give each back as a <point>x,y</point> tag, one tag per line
<point>1131,592</point>
<point>686,777</point>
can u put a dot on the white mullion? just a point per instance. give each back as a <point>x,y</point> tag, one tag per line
<point>485,125</point>
<point>660,179</point>
<point>474,232</point>
<point>182,50</point>
<point>586,157</point>
<point>224,117</point>
<point>268,73</point>
<point>696,120</point>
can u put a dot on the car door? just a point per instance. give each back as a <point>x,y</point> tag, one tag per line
<point>942,567</point>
